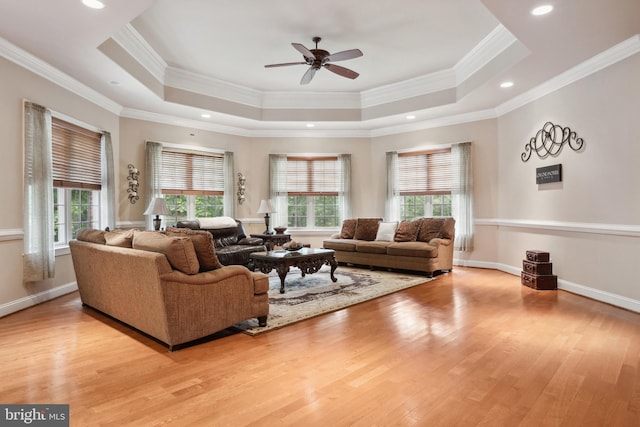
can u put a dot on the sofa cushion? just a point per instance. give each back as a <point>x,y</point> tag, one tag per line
<point>202,243</point>
<point>179,250</point>
<point>386,231</point>
<point>407,231</point>
<point>348,229</point>
<point>119,237</point>
<point>91,235</point>
<point>372,247</point>
<point>347,245</point>
<point>367,228</point>
<point>413,249</point>
<point>430,229</point>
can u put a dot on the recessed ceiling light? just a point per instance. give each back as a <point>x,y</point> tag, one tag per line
<point>506,84</point>
<point>410,117</point>
<point>542,10</point>
<point>310,125</point>
<point>205,115</point>
<point>93,4</point>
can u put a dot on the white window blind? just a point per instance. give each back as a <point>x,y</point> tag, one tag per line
<point>425,173</point>
<point>76,156</point>
<point>316,176</point>
<point>192,173</point>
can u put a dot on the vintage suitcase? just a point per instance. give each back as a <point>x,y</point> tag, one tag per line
<point>546,282</point>
<point>538,256</point>
<point>533,267</point>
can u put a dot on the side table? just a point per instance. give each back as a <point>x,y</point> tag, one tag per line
<point>272,240</point>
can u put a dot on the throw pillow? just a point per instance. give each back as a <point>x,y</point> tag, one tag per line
<point>367,228</point>
<point>179,250</point>
<point>407,231</point>
<point>430,229</point>
<point>217,222</point>
<point>203,244</point>
<point>119,237</point>
<point>348,229</point>
<point>91,235</point>
<point>386,231</point>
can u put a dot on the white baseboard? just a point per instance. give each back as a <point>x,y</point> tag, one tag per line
<point>35,299</point>
<point>585,291</point>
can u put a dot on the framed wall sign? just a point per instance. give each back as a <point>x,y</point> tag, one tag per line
<point>549,174</point>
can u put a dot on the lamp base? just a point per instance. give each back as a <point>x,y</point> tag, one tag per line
<point>157,222</point>
<point>268,230</point>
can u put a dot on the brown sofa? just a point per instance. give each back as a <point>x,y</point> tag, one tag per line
<point>424,244</point>
<point>161,290</point>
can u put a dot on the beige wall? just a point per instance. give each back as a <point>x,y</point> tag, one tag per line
<point>17,85</point>
<point>599,191</point>
<point>588,222</point>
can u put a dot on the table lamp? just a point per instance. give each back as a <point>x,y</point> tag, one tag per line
<point>157,207</point>
<point>266,208</point>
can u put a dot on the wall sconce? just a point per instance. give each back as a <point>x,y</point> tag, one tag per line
<point>242,180</point>
<point>133,184</point>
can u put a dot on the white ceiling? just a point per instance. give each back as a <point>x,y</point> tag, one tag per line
<point>174,60</point>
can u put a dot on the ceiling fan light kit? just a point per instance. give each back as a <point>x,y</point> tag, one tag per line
<point>318,58</point>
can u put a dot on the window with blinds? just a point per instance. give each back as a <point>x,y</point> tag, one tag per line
<point>316,176</point>
<point>191,173</point>
<point>425,173</point>
<point>76,156</point>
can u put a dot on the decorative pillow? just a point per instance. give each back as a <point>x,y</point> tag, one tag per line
<point>430,229</point>
<point>202,243</point>
<point>217,222</point>
<point>367,228</point>
<point>179,250</point>
<point>91,235</point>
<point>119,237</point>
<point>407,231</point>
<point>386,231</point>
<point>348,229</point>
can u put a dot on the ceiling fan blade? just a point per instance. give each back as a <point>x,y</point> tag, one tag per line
<point>308,76</point>
<point>341,71</point>
<point>345,54</point>
<point>284,64</point>
<point>303,50</point>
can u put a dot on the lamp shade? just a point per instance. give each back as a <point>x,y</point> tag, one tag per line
<point>157,207</point>
<point>265,207</point>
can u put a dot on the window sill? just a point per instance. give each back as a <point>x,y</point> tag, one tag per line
<point>62,250</point>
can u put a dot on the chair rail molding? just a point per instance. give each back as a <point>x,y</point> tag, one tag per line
<point>627,230</point>
<point>11,234</point>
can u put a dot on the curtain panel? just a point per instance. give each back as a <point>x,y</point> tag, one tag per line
<point>462,196</point>
<point>39,253</point>
<point>392,199</point>
<point>344,195</point>
<point>108,191</point>
<point>278,188</point>
<point>153,175</point>
<point>229,203</point>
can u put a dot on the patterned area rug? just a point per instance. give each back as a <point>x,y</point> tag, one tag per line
<point>316,294</point>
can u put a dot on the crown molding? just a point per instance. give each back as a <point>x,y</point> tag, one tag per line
<point>37,66</point>
<point>311,100</point>
<point>615,54</point>
<point>133,42</point>
<point>457,119</point>
<point>496,42</point>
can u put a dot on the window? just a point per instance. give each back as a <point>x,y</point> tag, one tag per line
<point>192,184</point>
<point>425,181</point>
<point>77,179</point>
<point>313,185</point>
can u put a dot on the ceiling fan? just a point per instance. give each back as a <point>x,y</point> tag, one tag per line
<point>317,58</point>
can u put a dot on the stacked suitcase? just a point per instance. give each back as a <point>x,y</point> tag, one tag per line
<point>537,271</point>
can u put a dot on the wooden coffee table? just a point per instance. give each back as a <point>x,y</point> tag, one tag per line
<point>308,260</point>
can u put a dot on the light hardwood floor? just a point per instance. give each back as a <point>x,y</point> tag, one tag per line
<point>473,347</point>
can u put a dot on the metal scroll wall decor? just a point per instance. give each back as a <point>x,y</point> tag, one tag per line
<point>549,141</point>
<point>133,184</point>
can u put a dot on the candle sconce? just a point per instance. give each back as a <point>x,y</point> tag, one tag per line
<point>242,180</point>
<point>133,184</point>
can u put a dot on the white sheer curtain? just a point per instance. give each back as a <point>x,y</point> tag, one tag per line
<point>344,195</point>
<point>153,172</point>
<point>462,196</point>
<point>392,201</point>
<point>278,188</point>
<point>229,204</point>
<point>39,254</point>
<point>108,191</point>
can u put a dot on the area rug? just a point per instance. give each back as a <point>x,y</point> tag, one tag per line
<point>316,294</point>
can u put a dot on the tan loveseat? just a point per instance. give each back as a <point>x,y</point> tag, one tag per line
<point>424,244</point>
<point>144,289</point>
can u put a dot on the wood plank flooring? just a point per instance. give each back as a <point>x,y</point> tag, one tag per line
<point>472,348</point>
